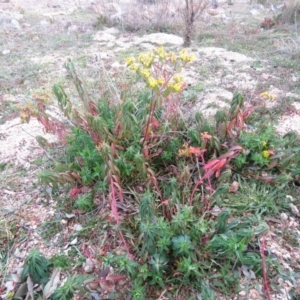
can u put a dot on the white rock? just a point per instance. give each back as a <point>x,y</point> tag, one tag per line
<point>253,12</point>
<point>4,52</point>
<point>161,39</point>
<point>294,209</point>
<point>44,23</point>
<point>77,227</point>
<point>103,37</point>
<point>290,198</point>
<point>284,216</point>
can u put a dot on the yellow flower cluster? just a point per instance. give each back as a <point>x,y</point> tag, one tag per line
<point>146,59</point>
<point>145,73</point>
<point>153,83</point>
<point>266,154</point>
<point>177,83</point>
<point>150,66</point>
<point>268,96</point>
<point>185,57</point>
<point>184,151</point>
<point>161,52</point>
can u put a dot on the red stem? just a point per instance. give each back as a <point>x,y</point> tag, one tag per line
<point>264,268</point>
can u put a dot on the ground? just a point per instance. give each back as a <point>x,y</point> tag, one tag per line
<point>232,53</point>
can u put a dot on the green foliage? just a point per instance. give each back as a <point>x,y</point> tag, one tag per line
<point>67,290</point>
<point>63,262</point>
<point>139,152</point>
<point>37,266</point>
<point>85,202</point>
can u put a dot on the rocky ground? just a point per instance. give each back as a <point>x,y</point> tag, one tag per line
<point>38,36</point>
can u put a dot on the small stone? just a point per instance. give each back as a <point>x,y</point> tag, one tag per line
<point>93,285</point>
<point>4,52</point>
<point>254,294</point>
<point>88,269</point>
<point>294,209</point>
<point>44,23</point>
<point>35,38</point>
<point>242,293</point>
<point>290,198</point>
<point>88,266</point>
<point>284,216</point>
<point>77,227</point>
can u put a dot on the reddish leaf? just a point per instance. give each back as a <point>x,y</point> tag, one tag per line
<point>196,151</point>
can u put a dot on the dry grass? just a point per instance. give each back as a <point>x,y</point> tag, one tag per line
<point>291,13</point>
<point>135,15</point>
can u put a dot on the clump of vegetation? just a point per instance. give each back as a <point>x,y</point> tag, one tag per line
<point>142,152</point>
<point>40,279</point>
<point>291,12</point>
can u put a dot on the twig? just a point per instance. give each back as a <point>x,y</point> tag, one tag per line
<point>264,268</point>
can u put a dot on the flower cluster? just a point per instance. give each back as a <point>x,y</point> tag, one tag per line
<point>185,57</point>
<point>268,96</point>
<point>158,69</point>
<point>266,153</point>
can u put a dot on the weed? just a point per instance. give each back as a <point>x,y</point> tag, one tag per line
<point>140,151</point>
<point>36,265</point>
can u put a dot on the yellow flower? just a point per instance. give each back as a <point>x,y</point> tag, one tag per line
<point>146,59</point>
<point>24,117</point>
<point>266,154</point>
<point>152,82</point>
<point>161,52</point>
<point>178,79</point>
<point>176,87</point>
<point>160,81</point>
<point>264,143</point>
<point>145,73</point>
<point>130,60</point>
<point>268,96</point>
<point>183,54</point>
<point>134,67</point>
<point>185,57</point>
<point>184,151</point>
<point>172,56</point>
<point>190,58</point>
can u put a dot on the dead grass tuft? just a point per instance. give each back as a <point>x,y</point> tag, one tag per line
<point>162,15</point>
<point>291,12</point>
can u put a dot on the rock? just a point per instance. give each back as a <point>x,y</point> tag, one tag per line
<point>73,28</point>
<point>253,12</point>
<point>77,227</point>
<point>88,269</point>
<point>103,37</point>
<point>45,23</point>
<point>4,52</point>
<point>284,217</point>
<point>294,209</point>
<point>93,285</point>
<point>10,20</point>
<point>161,39</point>
<point>88,266</point>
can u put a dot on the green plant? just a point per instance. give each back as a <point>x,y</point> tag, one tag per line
<point>37,267</point>
<point>63,262</point>
<point>141,154</point>
<point>84,202</point>
<point>67,290</point>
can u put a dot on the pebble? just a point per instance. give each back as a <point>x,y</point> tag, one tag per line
<point>294,209</point>
<point>284,216</point>
<point>4,52</point>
